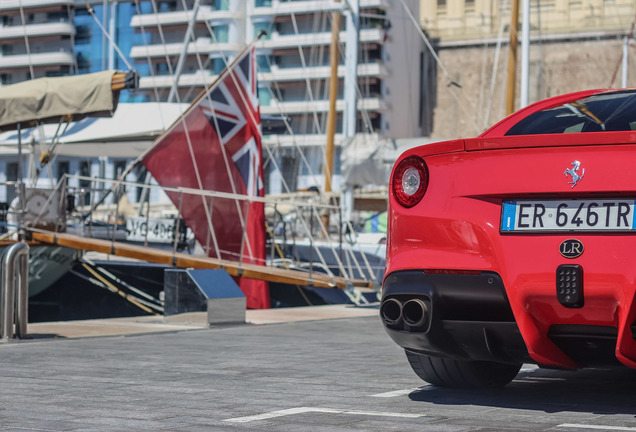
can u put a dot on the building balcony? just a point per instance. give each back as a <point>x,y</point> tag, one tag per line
<point>7,5</point>
<point>184,17</point>
<point>311,6</point>
<point>301,107</point>
<point>313,140</point>
<point>38,59</point>
<point>202,46</point>
<point>299,140</point>
<point>37,30</point>
<point>321,72</point>
<point>279,41</point>
<point>199,79</point>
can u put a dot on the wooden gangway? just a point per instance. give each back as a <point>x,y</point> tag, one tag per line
<point>178,259</point>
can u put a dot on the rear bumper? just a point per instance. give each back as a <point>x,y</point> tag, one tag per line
<point>469,317</point>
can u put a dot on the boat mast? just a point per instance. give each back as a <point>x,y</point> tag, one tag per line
<point>512,58</point>
<point>350,116</point>
<point>525,53</point>
<point>184,51</point>
<point>625,61</point>
<point>334,57</point>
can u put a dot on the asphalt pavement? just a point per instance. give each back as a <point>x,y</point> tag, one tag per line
<point>335,371</point>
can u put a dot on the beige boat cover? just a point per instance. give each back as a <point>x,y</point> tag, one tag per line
<point>49,100</point>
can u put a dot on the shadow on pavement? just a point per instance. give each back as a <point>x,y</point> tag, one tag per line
<point>598,391</point>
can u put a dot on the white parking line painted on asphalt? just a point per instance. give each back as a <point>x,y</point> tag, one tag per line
<point>302,410</point>
<point>396,393</point>
<point>596,427</point>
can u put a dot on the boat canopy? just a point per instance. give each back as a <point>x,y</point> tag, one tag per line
<point>51,100</point>
<point>129,132</point>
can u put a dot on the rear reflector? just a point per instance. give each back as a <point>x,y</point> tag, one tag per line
<point>569,284</point>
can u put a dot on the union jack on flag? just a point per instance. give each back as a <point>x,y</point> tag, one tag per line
<point>232,109</point>
<point>216,146</point>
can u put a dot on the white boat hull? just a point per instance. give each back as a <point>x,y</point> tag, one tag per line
<point>47,264</point>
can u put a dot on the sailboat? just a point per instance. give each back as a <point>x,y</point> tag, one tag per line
<point>31,104</point>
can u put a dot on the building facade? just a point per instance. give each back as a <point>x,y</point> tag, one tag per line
<point>181,46</point>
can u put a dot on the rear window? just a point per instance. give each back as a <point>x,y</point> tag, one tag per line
<point>602,112</point>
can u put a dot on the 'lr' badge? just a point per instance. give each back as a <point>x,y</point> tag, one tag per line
<point>571,248</point>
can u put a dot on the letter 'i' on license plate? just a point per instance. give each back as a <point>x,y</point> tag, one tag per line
<point>568,215</point>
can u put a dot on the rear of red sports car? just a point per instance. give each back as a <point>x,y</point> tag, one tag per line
<point>517,246</point>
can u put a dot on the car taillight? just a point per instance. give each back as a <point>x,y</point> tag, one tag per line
<point>410,181</point>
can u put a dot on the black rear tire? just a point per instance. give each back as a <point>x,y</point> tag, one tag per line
<point>447,372</point>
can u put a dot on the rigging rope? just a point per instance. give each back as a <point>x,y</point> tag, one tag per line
<point>451,82</point>
<point>148,60</point>
<point>109,36</point>
<point>495,64</point>
<point>26,40</point>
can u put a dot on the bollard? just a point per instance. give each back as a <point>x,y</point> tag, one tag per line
<point>16,254</point>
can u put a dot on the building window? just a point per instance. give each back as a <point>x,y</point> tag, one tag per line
<point>221,33</point>
<point>57,16</point>
<point>441,3</point>
<point>140,174</point>
<point>221,5</point>
<point>264,97</point>
<point>262,3</point>
<point>83,63</point>
<point>83,34</point>
<point>217,65</point>
<point>263,25</point>
<point>12,176</point>
<point>263,63</point>
<point>119,166</point>
<point>169,6</point>
<point>289,168</point>
<point>85,184</point>
<point>162,69</point>
<point>63,168</point>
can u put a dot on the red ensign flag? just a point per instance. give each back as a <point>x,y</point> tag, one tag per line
<point>216,146</point>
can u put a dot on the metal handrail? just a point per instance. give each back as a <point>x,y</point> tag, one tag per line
<point>16,254</point>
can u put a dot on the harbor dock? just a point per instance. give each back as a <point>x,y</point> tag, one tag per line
<point>318,368</point>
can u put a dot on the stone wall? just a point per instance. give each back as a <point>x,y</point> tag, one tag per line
<point>555,68</point>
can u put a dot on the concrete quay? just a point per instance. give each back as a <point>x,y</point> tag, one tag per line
<point>321,368</point>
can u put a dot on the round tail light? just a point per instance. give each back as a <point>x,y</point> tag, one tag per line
<point>410,181</point>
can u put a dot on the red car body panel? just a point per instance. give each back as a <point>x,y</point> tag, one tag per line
<point>456,226</point>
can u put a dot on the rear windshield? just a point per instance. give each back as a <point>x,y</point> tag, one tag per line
<point>602,112</point>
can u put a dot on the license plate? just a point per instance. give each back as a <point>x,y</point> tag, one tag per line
<point>568,215</point>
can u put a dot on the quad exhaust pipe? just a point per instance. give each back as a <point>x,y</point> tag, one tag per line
<point>391,312</point>
<point>413,313</point>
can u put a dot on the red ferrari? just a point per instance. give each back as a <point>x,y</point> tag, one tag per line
<point>518,245</point>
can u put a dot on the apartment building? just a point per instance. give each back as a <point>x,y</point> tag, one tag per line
<point>189,43</point>
<point>293,61</point>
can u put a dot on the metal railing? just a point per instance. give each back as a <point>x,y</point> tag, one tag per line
<point>15,266</point>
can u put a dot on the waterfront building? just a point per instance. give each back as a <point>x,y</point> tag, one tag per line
<point>180,46</point>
